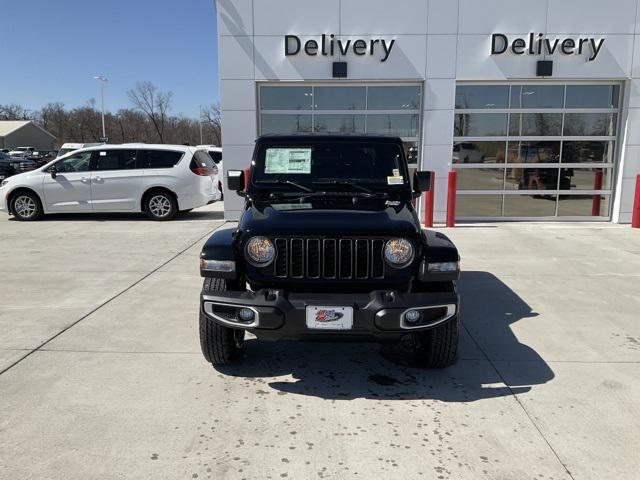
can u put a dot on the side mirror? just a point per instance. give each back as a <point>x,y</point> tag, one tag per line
<point>54,172</point>
<point>235,180</point>
<point>422,181</point>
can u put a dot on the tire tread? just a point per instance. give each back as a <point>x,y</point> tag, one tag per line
<point>217,341</point>
<point>438,347</point>
<point>442,342</point>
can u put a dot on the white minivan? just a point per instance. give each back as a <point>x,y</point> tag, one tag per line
<point>159,180</point>
<point>216,155</point>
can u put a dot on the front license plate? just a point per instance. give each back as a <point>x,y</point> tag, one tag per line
<point>329,318</point>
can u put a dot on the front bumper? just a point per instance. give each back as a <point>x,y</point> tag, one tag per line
<point>377,315</point>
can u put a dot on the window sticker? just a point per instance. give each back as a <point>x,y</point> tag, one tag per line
<point>395,180</point>
<point>103,154</point>
<point>288,160</point>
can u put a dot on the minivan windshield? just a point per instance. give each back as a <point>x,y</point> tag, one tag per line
<point>326,164</point>
<point>64,151</point>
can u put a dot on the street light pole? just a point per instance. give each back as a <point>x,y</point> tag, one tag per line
<point>102,79</point>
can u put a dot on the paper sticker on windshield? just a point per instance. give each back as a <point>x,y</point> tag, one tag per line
<point>395,180</point>
<point>288,160</point>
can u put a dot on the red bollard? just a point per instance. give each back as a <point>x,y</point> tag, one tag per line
<point>429,201</point>
<point>597,185</point>
<point>451,199</point>
<point>635,214</point>
<point>247,177</point>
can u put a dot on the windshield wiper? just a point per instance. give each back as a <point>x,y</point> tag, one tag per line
<point>346,183</point>
<point>288,182</point>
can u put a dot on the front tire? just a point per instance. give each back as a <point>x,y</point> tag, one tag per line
<point>160,206</point>
<point>437,347</point>
<point>220,345</point>
<point>26,206</point>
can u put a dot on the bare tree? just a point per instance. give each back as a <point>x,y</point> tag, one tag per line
<point>153,103</point>
<point>213,120</point>
<point>130,126</point>
<point>54,118</point>
<point>90,120</point>
<point>83,124</point>
<point>12,111</point>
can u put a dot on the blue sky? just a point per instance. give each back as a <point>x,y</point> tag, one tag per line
<point>50,51</point>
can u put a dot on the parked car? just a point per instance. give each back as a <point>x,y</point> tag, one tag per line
<point>72,147</point>
<point>466,152</point>
<point>22,151</point>
<point>159,180</point>
<point>216,154</point>
<point>25,164</point>
<point>17,164</point>
<point>329,247</point>
<point>42,157</point>
<point>7,168</point>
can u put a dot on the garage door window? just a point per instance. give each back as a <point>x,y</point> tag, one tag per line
<point>383,109</point>
<point>535,150</point>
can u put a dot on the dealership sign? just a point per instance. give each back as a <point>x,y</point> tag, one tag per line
<point>538,44</point>
<point>328,45</point>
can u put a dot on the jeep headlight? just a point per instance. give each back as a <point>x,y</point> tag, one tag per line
<point>398,252</point>
<point>260,251</point>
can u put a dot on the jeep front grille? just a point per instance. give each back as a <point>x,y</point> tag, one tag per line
<point>329,258</point>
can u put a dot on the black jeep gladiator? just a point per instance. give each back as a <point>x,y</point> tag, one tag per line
<point>329,247</point>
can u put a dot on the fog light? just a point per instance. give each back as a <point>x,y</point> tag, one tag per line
<point>412,316</point>
<point>246,314</point>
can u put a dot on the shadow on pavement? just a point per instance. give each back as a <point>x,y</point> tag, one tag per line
<point>357,370</point>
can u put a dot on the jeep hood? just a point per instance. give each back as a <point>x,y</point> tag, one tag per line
<point>331,217</point>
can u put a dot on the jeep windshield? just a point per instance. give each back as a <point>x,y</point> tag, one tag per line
<point>358,167</point>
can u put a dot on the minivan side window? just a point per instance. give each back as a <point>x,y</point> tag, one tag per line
<point>114,160</point>
<point>215,156</point>
<point>158,158</point>
<point>74,163</point>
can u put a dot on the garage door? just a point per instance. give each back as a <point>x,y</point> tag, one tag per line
<point>535,151</point>
<point>390,109</point>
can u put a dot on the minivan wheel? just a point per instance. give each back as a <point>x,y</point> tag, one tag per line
<point>26,206</point>
<point>160,206</point>
<point>220,345</point>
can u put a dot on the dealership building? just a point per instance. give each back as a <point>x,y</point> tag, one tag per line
<point>535,104</point>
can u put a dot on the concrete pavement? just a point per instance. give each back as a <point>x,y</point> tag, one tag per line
<point>100,314</point>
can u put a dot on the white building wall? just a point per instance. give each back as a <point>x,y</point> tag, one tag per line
<point>437,43</point>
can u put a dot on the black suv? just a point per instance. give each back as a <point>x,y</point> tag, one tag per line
<point>329,247</point>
